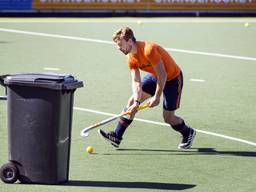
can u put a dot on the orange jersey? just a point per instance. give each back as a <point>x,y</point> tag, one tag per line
<point>148,55</point>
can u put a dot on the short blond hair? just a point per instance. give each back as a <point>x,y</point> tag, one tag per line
<point>125,33</point>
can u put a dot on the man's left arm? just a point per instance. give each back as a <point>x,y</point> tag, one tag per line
<point>161,80</point>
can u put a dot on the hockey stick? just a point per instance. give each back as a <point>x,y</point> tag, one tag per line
<point>85,131</point>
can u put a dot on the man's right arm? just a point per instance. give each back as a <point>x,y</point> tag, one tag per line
<point>136,84</point>
<point>137,91</point>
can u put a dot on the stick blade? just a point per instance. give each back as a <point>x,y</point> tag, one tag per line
<point>84,134</point>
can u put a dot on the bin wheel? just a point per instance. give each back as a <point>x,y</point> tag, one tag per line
<point>9,173</point>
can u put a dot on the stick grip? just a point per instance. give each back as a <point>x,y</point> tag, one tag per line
<point>140,108</point>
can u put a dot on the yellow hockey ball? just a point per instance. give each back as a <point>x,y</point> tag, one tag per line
<point>89,149</point>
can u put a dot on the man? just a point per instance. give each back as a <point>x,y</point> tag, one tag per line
<point>164,77</point>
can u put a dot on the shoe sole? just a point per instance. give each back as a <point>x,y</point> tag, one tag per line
<point>188,146</point>
<point>114,144</point>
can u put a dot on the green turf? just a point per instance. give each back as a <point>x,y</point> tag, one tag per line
<point>148,158</point>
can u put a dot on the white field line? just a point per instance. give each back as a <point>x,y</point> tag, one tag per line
<point>211,54</point>
<point>110,42</point>
<point>55,36</point>
<point>51,69</point>
<point>164,124</point>
<point>197,80</point>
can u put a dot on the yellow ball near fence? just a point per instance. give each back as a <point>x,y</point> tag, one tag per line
<point>89,149</point>
<point>247,25</point>
<point>139,22</point>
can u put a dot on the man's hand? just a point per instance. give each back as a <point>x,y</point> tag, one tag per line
<point>154,101</point>
<point>133,109</point>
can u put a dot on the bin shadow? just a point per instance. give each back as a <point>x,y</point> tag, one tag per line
<point>130,185</point>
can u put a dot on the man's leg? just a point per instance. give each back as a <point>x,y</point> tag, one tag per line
<point>172,96</point>
<point>116,136</point>
<point>124,122</point>
<point>178,124</point>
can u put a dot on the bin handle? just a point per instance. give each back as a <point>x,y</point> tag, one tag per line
<point>2,77</point>
<point>45,80</point>
<point>58,79</point>
<point>3,97</point>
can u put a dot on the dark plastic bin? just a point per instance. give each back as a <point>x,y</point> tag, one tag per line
<point>39,127</point>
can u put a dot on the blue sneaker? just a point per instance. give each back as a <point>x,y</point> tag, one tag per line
<point>187,141</point>
<point>111,137</point>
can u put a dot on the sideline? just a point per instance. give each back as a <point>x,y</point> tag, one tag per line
<point>112,43</point>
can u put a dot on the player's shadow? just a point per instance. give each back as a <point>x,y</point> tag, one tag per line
<point>130,185</point>
<point>192,151</point>
<point>212,151</point>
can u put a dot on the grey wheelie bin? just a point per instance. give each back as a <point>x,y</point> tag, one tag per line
<point>39,109</point>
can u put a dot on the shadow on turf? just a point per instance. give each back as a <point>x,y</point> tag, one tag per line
<point>192,151</point>
<point>131,185</point>
<point>212,151</point>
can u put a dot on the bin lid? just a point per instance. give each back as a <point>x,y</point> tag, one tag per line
<point>46,80</point>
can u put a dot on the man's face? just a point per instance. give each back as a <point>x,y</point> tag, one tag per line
<point>124,46</point>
